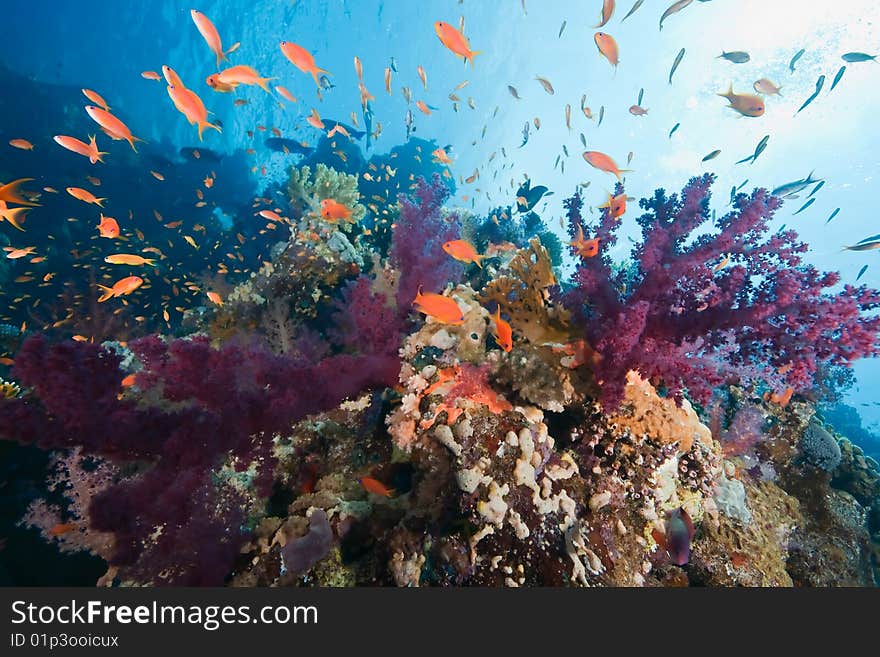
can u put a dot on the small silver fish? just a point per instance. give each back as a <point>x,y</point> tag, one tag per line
<point>634,9</point>
<point>546,84</point>
<point>561,29</point>
<point>797,56</point>
<point>737,56</point>
<point>838,77</point>
<point>673,9</point>
<point>675,64</point>
<point>712,156</point>
<point>513,91</point>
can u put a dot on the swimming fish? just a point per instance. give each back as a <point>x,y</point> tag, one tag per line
<point>673,9</point>
<point>805,206</point>
<point>243,74</point>
<point>209,34</point>
<point>675,64</point>
<point>527,197</point>
<point>833,214</point>
<point>191,106</point>
<point>442,308</point>
<point>712,156</point>
<point>676,540</point>
<point>819,83</point>
<point>112,126</point>
<point>634,9</point>
<point>607,12</point>
<point>120,288</point>
<point>302,59</point>
<point>546,84</point>
<point>817,188</point>
<point>797,56</point>
<point>85,195</point>
<point>607,47</point>
<point>758,150</point>
<point>766,87</point>
<point>22,144</point>
<point>838,77</point>
<point>603,162</point>
<point>73,144</point>
<point>746,104</point>
<point>674,128</point>
<point>331,210</point>
<point>794,187</point>
<point>737,56</point>
<point>525,134</point>
<point>862,272</point>
<point>13,215</point>
<point>513,91</point>
<point>455,41</point>
<point>616,205</point>
<point>635,110</point>
<point>561,29</point>
<point>463,251</point>
<point>283,91</point>
<point>96,98</point>
<point>502,331</point>
<point>129,259</point>
<point>855,57</point>
<point>108,227</point>
<point>583,247</point>
<point>376,487</point>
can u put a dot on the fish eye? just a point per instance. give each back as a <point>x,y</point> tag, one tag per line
<point>283,43</point>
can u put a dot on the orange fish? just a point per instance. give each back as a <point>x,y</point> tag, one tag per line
<point>746,104</point>
<point>129,259</point>
<point>151,75</point>
<point>314,120</point>
<point>604,163</point>
<point>191,106</point>
<point>388,79</point>
<point>271,216</point>
<point>108,227</point>
<point>585,248</point>
<point>283,91</point>
<point>14,254</point>
<point>94,181</point>
<point>780,398</point>
<point>359,68</point>
<point>114,128</point>
<point>338,128</point>
<point>242,74</point>
<point>13,215</point>
<point>302,59</point>
<point>502,331</point>
<point>128,380</point>
<point>157,175</point>
<point>214,82</point>
<point>463,251</point>
<point>95,97</point>
<point>455,41</point>
<point>10,192</point>
<point>422,76</point>
<point>171,77</point>
<point>209,34</point>
<point>23,144</point>
<point>607,47</point>
<point>617,205</point>
<point>120,288</point>
<point>89,150</point>
<point>376,487</point>
<point>85,196</point>
<point>441,156</point>
<point>333,211</point>
<point>423,108</point>
<point>441,308</point>
<point>215,298</point>
<point>61,528</point>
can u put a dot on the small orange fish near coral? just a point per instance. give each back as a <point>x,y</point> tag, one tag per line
<point>331,210</point>
<point>463,251</point>
<point>441,308</point>
<point>62,528</point>
<point>502,331</point>
<point>215,298</point>
<point>617,205</point>
<point>585,248</point>
<point>120,288</point>
<point>108,227</point>
<point>85,195</point>
<point>128,381</point>
<point>376,487</point>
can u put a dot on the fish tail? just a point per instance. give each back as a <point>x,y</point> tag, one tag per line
<point>471,54</point>
<point>477,260</point>
<point>315,71</point>
<point>97,157</point>
<point>131,141</point>
<point>100,201</point>
<point>12,216</point>
<point>150,261</point>
<point>262,82</point>
<point>206,124</point>
<point>107,292</point>
<point>221,57</point>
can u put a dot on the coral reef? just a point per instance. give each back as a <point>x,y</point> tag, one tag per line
<point>702,309</point>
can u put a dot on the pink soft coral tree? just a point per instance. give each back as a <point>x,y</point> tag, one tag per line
<point>696,310</point>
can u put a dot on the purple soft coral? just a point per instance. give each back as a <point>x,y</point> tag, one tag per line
<point>695,312</point>
<point>416,247</point>
<point>209,407</point>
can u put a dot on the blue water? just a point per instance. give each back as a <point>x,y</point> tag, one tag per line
<point>52,48</point>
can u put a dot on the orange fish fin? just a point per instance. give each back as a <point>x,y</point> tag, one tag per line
<point>107,293</point>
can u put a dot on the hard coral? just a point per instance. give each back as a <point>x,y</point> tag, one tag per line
<point>701,309</point>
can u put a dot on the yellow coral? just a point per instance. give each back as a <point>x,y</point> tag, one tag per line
<point>307,191</point>
<point>524,296</point>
